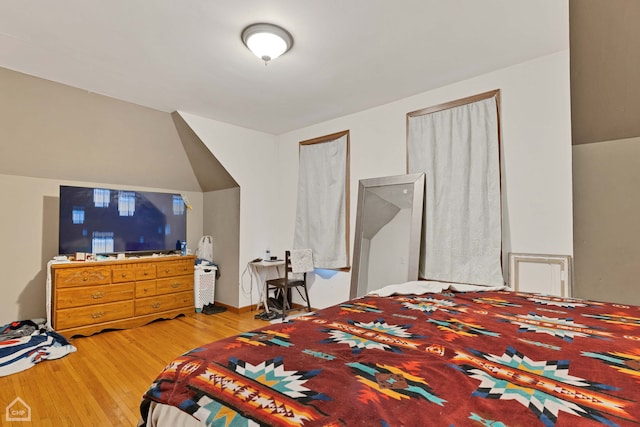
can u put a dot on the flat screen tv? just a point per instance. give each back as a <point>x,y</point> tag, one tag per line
<point>106,221</point>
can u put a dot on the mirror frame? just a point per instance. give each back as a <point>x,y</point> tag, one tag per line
<point>417,179</point>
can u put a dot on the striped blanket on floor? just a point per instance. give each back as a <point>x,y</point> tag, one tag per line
<point>25,343</point>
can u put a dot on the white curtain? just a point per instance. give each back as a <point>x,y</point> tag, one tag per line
<point>458,149</point>
<point>321,210</point>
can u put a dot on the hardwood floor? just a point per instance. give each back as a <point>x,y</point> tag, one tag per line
<point>102,383</point>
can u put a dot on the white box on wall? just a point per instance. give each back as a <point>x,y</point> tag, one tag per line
<point>545,274</point>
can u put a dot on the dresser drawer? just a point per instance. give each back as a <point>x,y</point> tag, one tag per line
<point>146,288</point>
<point>84,276</point>
<point>174,284</point>
<point>145,271</point>
<point>123,273</point>
<point>175,268</point>
<point>163,303</point>
<point>91,295</point>
<point>73,317</point>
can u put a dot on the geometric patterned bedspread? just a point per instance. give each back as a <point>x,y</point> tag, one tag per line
<point>451,359</point>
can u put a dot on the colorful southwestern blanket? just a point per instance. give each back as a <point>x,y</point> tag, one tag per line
<point>451,359</point>
<point>25,343</point>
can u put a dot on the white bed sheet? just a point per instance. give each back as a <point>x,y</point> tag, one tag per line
<point>169,416</point>
<point>419,287</point>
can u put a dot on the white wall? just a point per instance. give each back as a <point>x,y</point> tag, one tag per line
<point>250,157</point>
<point>536,158</point>
<point>30,214</point>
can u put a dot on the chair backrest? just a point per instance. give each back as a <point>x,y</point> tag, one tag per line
<point>287,264</point>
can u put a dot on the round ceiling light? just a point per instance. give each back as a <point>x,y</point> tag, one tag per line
<point>267,41</point>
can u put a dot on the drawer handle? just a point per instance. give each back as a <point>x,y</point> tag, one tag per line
<point>146,289</point>
<point>97,315</point>
<point>124,274</point>
<point>155,305</point>
<point>97,295</point>
<point>175,285</point>
<point>146,273</point>
<point>84,279</point>
<point>166,270</point>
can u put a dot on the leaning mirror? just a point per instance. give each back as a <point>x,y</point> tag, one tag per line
<point>388,228</point>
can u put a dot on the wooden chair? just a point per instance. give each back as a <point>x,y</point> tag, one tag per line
<point>286,283</point>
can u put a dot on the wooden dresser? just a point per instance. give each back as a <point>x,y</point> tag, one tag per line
<point>89,297</point>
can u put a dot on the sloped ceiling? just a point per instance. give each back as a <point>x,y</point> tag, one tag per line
<point>50,130</point>
<point>209,172</point>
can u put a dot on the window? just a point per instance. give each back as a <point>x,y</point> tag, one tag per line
<point>323,200</point>
<point>457,146</point>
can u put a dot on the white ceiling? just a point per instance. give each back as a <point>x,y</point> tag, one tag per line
<point>348,55</point>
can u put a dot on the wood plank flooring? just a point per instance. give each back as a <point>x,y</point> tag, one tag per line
<point>102,383</point>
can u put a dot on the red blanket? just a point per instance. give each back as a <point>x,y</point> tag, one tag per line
<point>463,359</point>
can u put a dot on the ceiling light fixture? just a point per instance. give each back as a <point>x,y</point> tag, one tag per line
<point>267,41</point>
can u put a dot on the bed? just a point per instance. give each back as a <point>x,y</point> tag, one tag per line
<point>482,358</point>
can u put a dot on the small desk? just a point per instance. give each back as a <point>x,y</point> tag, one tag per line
<point>261,271</point>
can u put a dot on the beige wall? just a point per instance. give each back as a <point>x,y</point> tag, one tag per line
<point>52,135</point>
<point>49,130</point>
<point>222,221</point>
<point>606,179</point>
<point>605,59</point>
<point>605,105</point>
<point>29,230</point>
